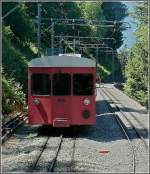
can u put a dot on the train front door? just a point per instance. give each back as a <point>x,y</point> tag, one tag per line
<point>61,100</point>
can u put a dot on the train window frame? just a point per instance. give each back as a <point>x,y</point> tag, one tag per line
<point>50,86</point>
<point>53,91</point>
<point>74,94</point>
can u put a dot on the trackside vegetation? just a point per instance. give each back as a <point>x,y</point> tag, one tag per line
<point>13,98</point>
<point>136,69</point>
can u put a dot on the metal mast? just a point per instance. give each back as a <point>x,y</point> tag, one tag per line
<point>39,29</point>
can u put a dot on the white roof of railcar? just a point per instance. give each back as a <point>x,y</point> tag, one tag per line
<point>71,54</point>
<point>61,61</point>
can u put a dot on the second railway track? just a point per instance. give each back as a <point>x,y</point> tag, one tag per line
<point>124,131</point>
<point>133,115</point>
<point>9,127</point>
<point>139,135</point>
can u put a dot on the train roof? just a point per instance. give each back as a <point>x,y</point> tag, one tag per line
<point>61,61</point>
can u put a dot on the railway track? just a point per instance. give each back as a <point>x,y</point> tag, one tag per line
<point>9,127</point>
<point>124,131</point>
<point>133,116</point>
<point>53,167</point>
<point>72,164</point>
<point>139,135</point>
<point>52,164</point>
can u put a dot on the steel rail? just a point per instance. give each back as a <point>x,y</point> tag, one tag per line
<point>8,123</point>
<point>145,129</point>
<point>123,128</point>
<point>73,151</point>
<point>129,121</point>
<point>136,131</point>
<point>9,127</point>
<point>72,155</point>
<point>51,167</point>
<point>33,169</point>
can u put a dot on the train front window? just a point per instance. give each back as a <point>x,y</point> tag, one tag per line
<point>61,84</point>
<point>40,84</point>
<point>83,84</point>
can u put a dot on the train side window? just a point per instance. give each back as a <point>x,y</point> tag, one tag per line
<point>82,84</point>
<point>61,84</point>
<point>40,84</point>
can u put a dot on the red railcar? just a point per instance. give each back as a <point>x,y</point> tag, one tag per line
<point>61,91</point>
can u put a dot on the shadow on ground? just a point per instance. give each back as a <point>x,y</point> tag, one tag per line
<point>105,130</point>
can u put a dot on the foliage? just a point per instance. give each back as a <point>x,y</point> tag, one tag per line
<point>93,11</point>
<point>13,99</point>
<point>19,28</point>
<point>19,21</point>
<point>103,72</point>
<point>141,12</point>
<point>136,74</point>
<point>123,58</point>
<point>114,11</point>
<point>136,70</point>
<point>14,63</point>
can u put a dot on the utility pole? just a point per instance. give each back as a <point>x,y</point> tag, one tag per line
<point>113,67</point>
<point>96,58</point>
<point>52,37</point>
<point>74,45</point>
<point>39,29</point>
<point>60,46</point>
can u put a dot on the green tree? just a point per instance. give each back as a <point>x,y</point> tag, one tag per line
<point>137,67</point>
<point>123,58</point>
<point>115,11</point>
<point>19,21</point>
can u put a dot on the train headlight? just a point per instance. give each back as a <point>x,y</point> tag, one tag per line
<point>86,101</point>
<point>36,101</point>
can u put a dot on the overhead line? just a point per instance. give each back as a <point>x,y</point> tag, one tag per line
<point>11,11</point>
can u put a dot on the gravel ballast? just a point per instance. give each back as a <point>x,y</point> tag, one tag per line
<point>100,148</point>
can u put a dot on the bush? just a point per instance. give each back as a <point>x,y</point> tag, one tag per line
<point>103,72</point>
<point>15,63</point>
<point>137,81</point>
<point>13,99</point>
